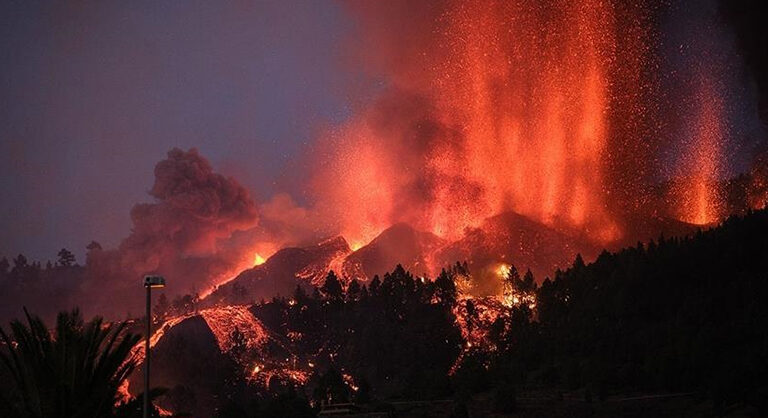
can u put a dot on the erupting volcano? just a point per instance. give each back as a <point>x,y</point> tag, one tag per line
<point>699,193</point>
<point>519,131</point>
<point>385,200</point>
<point>548,109</point>
<point>501,106</point>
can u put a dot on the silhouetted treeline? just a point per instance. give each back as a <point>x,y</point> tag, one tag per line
<point>45,289</point>
<point>397,335</point>
<point>675,315</point>
<point>394,338</point>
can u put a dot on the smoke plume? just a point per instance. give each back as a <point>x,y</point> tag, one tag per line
<point>186,234</point>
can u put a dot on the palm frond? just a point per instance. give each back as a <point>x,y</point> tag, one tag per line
<point>75,371</point>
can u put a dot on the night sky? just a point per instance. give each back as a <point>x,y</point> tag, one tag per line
<point>91,97</point>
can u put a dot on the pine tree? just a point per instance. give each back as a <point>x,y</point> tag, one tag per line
<point>66,258</point>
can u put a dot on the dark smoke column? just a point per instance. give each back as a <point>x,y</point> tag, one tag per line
<point>187,233</point>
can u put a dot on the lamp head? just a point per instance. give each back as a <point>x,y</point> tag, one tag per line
<point>154,281</point>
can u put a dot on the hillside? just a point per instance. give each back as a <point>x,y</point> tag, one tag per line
<point>398,244</point>
<point>281,273</point>
<point>675,316</point>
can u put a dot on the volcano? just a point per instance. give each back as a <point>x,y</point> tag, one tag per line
<point>282,272</point>
<point>398,244</point>
<point>511,238</point>
<point>504,239</point>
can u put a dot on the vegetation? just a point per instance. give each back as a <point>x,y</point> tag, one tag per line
<point>676,315</point>
<point>75,371</point>
<point>40,287</point>
<point>397,335</point>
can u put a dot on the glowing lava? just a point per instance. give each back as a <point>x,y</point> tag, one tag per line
<point>698,194</point>
<point>258,260</point>
<point>222,321</point>
<point>506,108</point>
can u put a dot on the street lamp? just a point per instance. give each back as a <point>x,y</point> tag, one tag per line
<point>149,283</point>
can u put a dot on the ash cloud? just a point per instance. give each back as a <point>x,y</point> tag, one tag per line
<point>186,234</point>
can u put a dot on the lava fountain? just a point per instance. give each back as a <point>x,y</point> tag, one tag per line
<point>493,106</point>
<point>699,194</point>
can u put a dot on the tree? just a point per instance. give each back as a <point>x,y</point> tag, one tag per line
<point>66,258</point>
<point>373,288</point>
<point>472,314</point>
<point>20,264</point>
<point>446,288</point>
<point>511,280</point>
<point>353,290</point>
<point>332,287</point>
<point>300,296</point>
<point>162,307</point>
<point>239,345</point>
<point>4,265</point>
<point>528,283</point>
<point>74,371</point>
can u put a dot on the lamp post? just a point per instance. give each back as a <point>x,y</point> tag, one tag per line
<point>149,283</point>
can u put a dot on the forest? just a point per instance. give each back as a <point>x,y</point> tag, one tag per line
<point>675,316</point>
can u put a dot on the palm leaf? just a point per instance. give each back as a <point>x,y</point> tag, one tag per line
<point>74,372</point>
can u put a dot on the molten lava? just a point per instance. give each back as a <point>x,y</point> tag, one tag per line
<point>222,321</point>
<point>505,108</point>
<point>699,195</point>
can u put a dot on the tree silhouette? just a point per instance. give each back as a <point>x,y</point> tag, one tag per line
<point>73,372</point>
<point>353,290</point>
<point>20,264</point>
<point>66,258</point>
<point>4,265</point>
<point>239,345</point>
<point>162,306</point>
<point>332,287</point>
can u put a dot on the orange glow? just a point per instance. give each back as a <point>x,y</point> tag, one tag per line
<point>223,320</point>
<point>249,258</point>
<point>350,381</point>
<point>700,201</point>
<point>503,270</point>
<point>487,310</point>
<point>515,120</point>
<point>137,352</point>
